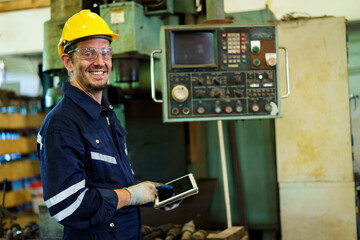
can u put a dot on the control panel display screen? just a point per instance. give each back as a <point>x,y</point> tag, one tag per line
<point>220,72</point>
<point>191,48</point>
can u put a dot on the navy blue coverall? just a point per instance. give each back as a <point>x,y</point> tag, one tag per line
<point>83,158</point>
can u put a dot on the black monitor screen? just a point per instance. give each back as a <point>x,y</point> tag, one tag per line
<point>190,48</point>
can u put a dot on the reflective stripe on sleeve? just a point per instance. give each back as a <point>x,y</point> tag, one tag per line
<point>70,209</point>
<point>39,140</point>
<point>65,194</point>
<point>102,157</point>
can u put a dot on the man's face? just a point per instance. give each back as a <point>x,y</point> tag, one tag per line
<point>91,75</point>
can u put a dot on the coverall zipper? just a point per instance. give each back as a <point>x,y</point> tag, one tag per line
<point>105,113</point>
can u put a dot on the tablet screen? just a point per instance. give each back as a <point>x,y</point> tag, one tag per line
<point>176,190</point>
<point>179,186</point>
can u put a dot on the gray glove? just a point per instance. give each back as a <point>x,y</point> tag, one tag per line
<point>142,193</point>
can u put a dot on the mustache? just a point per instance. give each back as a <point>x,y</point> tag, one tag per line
<point>97,69</point>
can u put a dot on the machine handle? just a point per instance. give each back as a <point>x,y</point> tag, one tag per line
<point>287,73</point>
<point>152,76</point>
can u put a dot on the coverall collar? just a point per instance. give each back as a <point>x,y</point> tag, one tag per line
<point>84,101</point>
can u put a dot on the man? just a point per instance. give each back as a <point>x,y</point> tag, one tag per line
<point>88,182</point>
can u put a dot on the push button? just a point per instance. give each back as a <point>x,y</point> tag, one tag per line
<point>256,62</point>
<point>200,110</point>
<point>228,109</point>
<point>112,225</point>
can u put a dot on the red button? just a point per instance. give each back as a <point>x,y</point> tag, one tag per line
<point>255,108</point>
<point>243,51</point>
<point>223,35</point>
<point>228,109</point>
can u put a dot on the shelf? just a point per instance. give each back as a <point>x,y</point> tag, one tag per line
<point>13,121</point>
<point>22,4</point>
<point>16,198</point>
<point>19,169</point>
<point>23,145</point>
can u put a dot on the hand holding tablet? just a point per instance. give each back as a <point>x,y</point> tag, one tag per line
<point>176,190</point>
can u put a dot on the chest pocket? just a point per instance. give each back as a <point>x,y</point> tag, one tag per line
<point>98,147</point>
<point>121,132</point>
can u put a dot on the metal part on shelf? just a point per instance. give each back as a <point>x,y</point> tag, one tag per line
<point>187,230</point>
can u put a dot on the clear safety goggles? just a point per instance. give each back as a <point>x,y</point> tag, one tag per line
<point>91,54</point>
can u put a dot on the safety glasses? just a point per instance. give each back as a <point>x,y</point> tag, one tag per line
<point>91,54</point>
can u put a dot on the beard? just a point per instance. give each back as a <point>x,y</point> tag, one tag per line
<point>92,88</point>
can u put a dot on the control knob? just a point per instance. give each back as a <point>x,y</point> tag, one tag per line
<point>238,93</point>
<point>216,80</point>
<point>217,92</point>
<point>199,93</point>
<point>199,80</point>
<point>180,93</point>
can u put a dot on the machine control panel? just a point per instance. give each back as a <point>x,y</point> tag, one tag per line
<point>220,72</point>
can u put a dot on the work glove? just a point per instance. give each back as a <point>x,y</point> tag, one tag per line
<point>142,193</point>
<point>171,206</point>
<point>167,190</point>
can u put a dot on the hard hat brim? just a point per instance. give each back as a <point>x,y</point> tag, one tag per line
<point>65,44</point>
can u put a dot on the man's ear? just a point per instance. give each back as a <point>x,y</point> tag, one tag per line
<point>67,62</point>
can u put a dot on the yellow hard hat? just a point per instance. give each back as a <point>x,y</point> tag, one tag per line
<point>84,24</point>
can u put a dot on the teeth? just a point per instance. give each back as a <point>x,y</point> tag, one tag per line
<point>97,73</point>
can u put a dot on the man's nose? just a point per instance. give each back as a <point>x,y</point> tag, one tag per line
<point>99,59</point>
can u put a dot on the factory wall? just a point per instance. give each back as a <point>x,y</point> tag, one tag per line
<point>22,32</point>
<point>21,46</point>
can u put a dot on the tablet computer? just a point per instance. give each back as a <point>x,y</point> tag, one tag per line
<point>176,190</point>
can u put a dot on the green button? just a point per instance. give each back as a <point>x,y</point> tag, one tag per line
<point>243,60</point>
<point>256,49</point>
<point>256,62</point>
